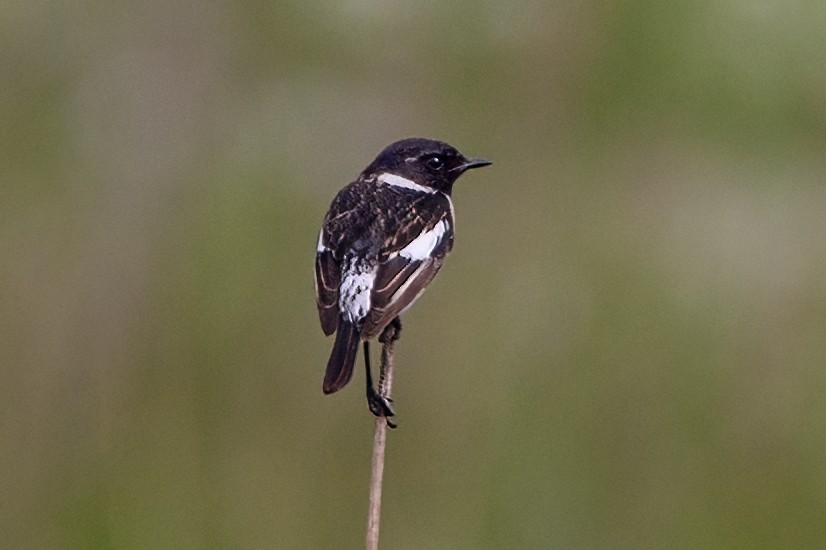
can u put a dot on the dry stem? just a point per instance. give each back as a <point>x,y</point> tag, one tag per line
<point>379,442</point>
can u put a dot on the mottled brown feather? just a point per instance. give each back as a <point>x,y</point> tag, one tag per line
<point>379,220</point>
<point>387,305</point>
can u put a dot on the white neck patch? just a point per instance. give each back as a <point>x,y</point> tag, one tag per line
<point>398,181</point>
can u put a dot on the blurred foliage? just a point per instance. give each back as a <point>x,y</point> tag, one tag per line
<point>625,349</point>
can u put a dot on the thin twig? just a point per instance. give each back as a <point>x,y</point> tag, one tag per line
<point>379,442</point>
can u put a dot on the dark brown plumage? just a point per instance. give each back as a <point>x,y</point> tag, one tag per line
<point>382,242</point>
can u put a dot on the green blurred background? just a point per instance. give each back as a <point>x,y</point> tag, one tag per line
<point>626,348</point>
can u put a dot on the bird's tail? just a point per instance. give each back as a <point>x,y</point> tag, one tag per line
<point>342,358</point>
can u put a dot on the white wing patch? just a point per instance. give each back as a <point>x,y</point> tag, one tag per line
<point>422,246</point>
<point>355,289</point>
<point>320,246</point>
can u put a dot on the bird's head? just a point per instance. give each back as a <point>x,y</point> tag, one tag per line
<point>427,163</point>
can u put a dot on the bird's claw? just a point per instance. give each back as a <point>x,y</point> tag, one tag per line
<point>380,406</point>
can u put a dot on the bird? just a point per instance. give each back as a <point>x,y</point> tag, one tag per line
<point>382,241</point>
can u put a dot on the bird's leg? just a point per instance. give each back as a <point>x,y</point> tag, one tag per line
<point>377,403</point>
<point>391,333</point>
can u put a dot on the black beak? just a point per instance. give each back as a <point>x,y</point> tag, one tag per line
<point>471,163</point>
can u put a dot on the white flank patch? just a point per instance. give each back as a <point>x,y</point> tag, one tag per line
<point>422,246</point>
<point>355,289</point>
<point>398,181</point>
<point>320,246</point>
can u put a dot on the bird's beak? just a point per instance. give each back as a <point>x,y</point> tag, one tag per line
<point>471,163</point>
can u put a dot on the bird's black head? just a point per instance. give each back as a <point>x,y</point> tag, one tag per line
<point>424,162</point>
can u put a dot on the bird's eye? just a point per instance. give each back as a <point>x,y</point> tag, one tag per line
<point>435,162</point>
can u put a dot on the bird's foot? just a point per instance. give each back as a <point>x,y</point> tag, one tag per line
<point>380,406</point>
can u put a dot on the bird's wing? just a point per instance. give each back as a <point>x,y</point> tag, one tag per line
<point>327,281</point>
<point>346,221</point>
<point>410,258</point>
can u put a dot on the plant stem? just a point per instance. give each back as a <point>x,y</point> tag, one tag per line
<point>379,443</point>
